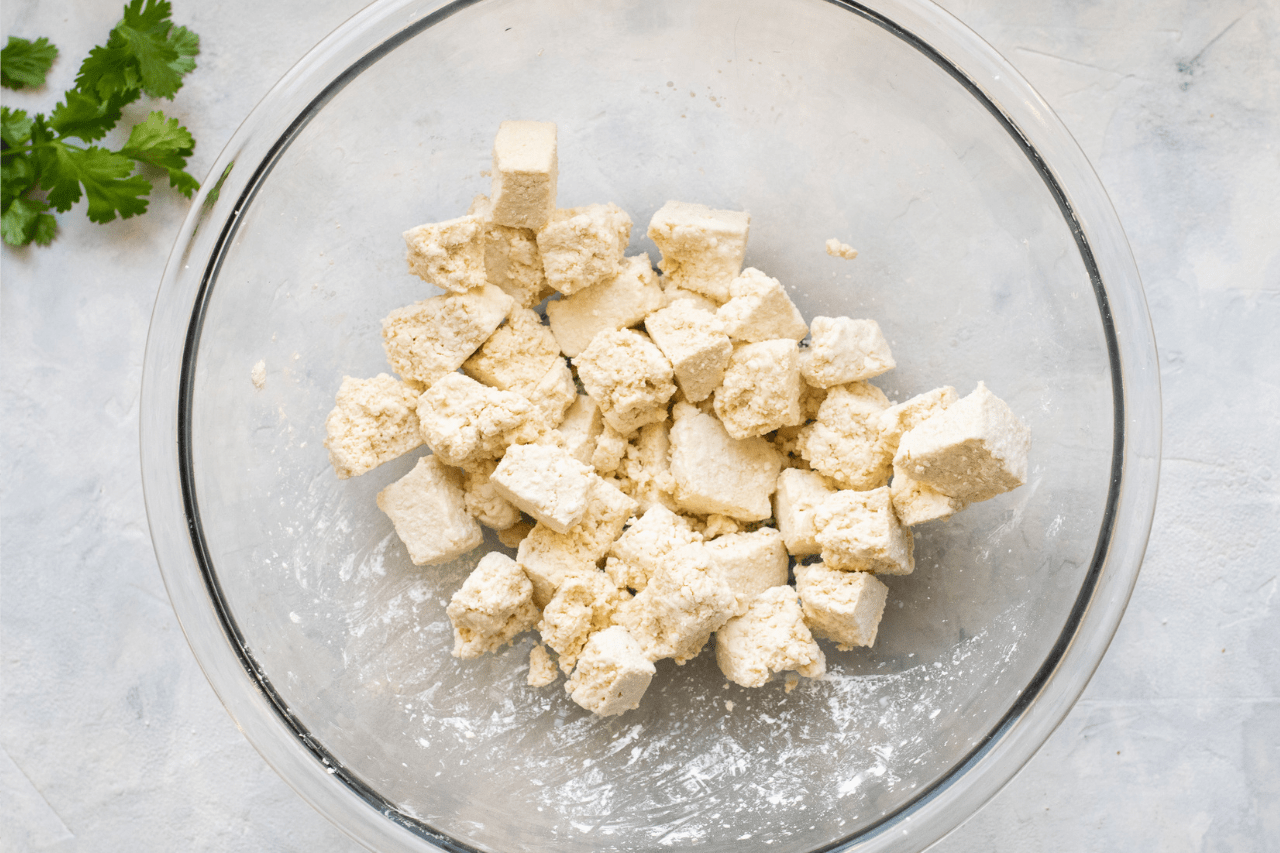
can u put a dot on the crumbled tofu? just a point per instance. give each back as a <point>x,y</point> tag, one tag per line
<point>636,555</point>
<point>684,601</point>
<point>427,509</point>
<point>628,377</point>
<point>584,604</point>
<point>798,496</point>
<point>578,432</point>
<point>761,390</point>
<point>841,606</point>
<point>915,503</point>
<point>466,422</point>
<point>702,249</point>
<point>494,604</point>
<point>373,421</point>
<point>545,482</point>
<point>837,249</point>
<point>612,673</point>
<point>714,472</point>
<point>671,294</point>
<point>515,534</point>
<point>844,350</point>
<point>897,419</point>
<point>693,340</point>
<point>644,472</point>
<point>760,310</point>
<point>621,301</point>
<point>973,450</point>
<point>524,174</point>
<point>583,246</point>
<point>483,501</point>
<point>542,671</point>
<point>432,338</point>
<point>859,531</point>
<point>554,394</point>
<point>811,399</point>
<point>512,261</point>
<point>449,254</point>
<point>258,374</point>
<point>718,525</point>
<point>770,637</point>
<point>517,356</point>
<point>610,450</point>
<point>750,563</point>
<point>844,442</point>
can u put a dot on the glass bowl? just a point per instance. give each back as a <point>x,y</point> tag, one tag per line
<point>988,252</point>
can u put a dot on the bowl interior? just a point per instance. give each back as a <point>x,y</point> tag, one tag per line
<point>821,123</point>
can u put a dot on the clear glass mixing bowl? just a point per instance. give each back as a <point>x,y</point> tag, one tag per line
<point>988,252</point>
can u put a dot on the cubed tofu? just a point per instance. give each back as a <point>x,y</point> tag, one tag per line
<point>915,503</point>
<point>545,482</point>
<point>844,442</point>
<point>644,472</point>
<point>798,496</point>
<point>465,422</point>
<point>973,450</point>
<point>577,433</point>
<point>432,338</point>
<point>448,254</point>
<point>612,674</point>
<point>554,393</point>
<point>583,246</point>
<point>770,637</point>
<point>750,563</point>
<point>516,356</point>
<point>494,604</point>
<point>426,508</point>
<point>542,670</point>
<point>524,174</point>
<point>897,419</point>
<point>638,552</point>
<point>684,601</point>
<point>844,350</point>
<point>671,294</point>
<point>694,342</point>
<point>610,450</point>
<point>628,377</point>
<point>373,421</point>
<point>483,501</point>
<point>760,310</point>
<point>841,606</point>
<point>584,604</point>
<point>714,472</point>
<point>859,531</point>
<point>621,301</point>
<point>702,249</point>
<point>761,390</point>
<point>512,261</point>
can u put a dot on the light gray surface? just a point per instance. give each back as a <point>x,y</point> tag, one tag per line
<point>113,740</point>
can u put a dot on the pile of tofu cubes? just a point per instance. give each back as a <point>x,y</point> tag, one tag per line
<point>658,449</point>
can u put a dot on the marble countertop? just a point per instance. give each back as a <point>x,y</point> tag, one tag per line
<point>112,739</point>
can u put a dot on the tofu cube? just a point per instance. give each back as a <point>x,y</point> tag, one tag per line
<point>621,301</point>
<point>628,377</point>
<point>554,394</point>
<point>427,510</point>
<point>432,338</point>
<point>841,606</point>
<point>638,552</point>
<point>844,442</point>
<point>448,254</point>
<point>466,423</point>
<point>512,262</point>
<point>612,674</point>
<point>915,503</point>
<point>761,390</point>
<point>517,356</point>
<point>584,604</point>
<point>545,482</point>
<point>494,604</point>
<point>373,421</point>
<point>859,531</point>
<point>702,249</point>
<point>973,450</point>
<point>684,601</point>
<point>671,294</point>
<point>714,472</point>
<point>760,310</point>
<point>750,563</point>
<point>844,350</point>
<point>798,496</point>
<point>483,501</point>
<point>694,342</point>
<point>524,174</point>
<point>583,246</point>
<point>770,637</point>
<point>577,433</point>
<point>897,419</point>
<point>542,671</point>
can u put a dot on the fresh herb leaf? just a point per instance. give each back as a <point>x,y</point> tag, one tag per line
<point>107,177</point>
<point>25,220</point>
<point>145,52</point>
<point>25,63</point>
<point>85,117</point>
<point>15,127</point>
<point>165,144</point>
<point>16,177</point>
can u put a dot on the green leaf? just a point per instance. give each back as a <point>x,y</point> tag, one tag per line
<point>25,63</point>
<point>165,144</point>
<point>24,220</point>
<point>15,126</point>
<point>108,180</point>
<point>110,70</point>
<point>85,117</point>
<point>16,177</point>
<point>146,29</point>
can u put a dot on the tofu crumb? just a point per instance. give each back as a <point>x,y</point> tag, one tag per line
<point>542,670</point>
<point>836,249</point>
<point>258,374</point>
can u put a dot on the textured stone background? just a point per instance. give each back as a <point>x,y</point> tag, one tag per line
<point>112,739</point>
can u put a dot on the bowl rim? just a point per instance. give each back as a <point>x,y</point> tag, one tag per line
<point>245,688</point>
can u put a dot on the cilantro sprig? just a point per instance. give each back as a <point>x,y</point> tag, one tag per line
<point>41,169</point>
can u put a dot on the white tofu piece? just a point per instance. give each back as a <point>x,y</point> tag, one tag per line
<point>612,674</point>
<point>427,510</point>
<point>837,249</point>
<point>583,246</point>
<point>750,563</point>
<point>554,394</point>
<point>584,604</point>
<point>542,671</point>
<point>671,294</point>
<point>844,443</point>
<point>760,310</point>
<point>616,303</point>
<point>516,533</point>
<point>516,356</point>
<point>432,338</point>
<point>545,482</point>
<point>610,450</point>
<point>973,450</point>
<point>693,340</point>
<point>859,531</point>
<point>684,601</point>
<point>512,262</point>
<point>448,254</point>
<point>761,390</point>
<point>702,249</point>
<point>373,421</point>
<point>915,503</point>
<point>717,525</point>
<point>483,501</point>
<point>897,419</point>
<point>841,606</point>
<point>644,472</point>
<point>628,377</point>
<point>494,604</point>
<point>638,552</point>
<point>524,174</point>
<point>578,432</point>
<point>465,422</point>
<point>717,473</point>
<point>844,350</point>
<point>770,637</point>
<point>798,496</point>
